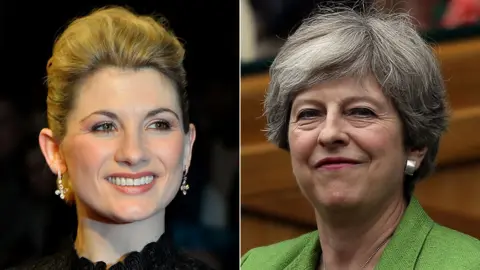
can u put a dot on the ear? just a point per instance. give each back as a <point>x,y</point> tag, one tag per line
<point>417,155</point>
<point>190,139</point>
<point>51,151</point>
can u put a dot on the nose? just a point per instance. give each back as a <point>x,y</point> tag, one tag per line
<point>332,132</point>
<point>132,150</point>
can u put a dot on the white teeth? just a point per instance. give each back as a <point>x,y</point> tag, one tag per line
<point>121,181</point>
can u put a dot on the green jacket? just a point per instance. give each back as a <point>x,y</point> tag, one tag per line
<point>418,243</point>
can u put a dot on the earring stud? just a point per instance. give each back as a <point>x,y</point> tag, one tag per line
<point>410,167</point>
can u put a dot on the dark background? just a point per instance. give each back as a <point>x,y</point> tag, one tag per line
<point>33,221</point>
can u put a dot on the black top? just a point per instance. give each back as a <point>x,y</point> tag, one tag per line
<point>156,255</point>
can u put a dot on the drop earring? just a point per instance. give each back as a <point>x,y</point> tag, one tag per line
<point>184,187</point>
<point>61,189</point>
<point>410,167</point>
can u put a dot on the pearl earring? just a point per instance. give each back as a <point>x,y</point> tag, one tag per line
<point>61,190</point>
<point>184,187</point>
<point>410,167</point>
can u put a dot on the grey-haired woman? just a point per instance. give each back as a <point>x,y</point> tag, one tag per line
<point>359,102</point>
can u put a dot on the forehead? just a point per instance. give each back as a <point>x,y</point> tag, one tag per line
<point>346,87</point>
<point>125,88</point>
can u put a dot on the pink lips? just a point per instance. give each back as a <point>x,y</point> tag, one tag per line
<point>134,190</point>
<point>132,175</point>
<point>336,163</point>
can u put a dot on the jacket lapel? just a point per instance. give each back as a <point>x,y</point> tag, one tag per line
<point>406,244</point>
<point>307,257</point>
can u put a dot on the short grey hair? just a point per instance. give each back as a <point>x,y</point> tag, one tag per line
<point>340,43</point>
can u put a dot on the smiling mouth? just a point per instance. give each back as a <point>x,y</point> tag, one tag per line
<point>131,182</point>
<point>336,166</point>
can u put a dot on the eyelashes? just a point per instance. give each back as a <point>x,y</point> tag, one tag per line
<point>161,125</point>
<point>109,126</point>
<point>360,112</point>
<point>105,127</point>
<point>308,114</point>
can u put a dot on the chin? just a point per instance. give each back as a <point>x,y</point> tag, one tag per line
<point>131,213</point>
<point>338,198</point>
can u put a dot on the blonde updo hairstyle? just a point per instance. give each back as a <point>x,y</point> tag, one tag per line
<point>109,37</point>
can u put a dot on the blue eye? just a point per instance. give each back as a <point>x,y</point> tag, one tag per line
<point>105,127</point>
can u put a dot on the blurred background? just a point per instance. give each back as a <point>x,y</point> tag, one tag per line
<point>266,23</point>
<point>33,221</point>
<point>273,209</point>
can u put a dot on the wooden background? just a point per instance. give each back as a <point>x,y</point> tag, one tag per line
<point>273,208</point>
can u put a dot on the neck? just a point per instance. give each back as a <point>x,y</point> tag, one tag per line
<point>353,237</point>
<point>110,243</point>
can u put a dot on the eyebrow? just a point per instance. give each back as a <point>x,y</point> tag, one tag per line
<point>369,99</point>
<point>149,114</point>
<point>348,100</point>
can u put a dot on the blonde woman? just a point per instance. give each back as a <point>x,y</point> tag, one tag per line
<point>119,140</point>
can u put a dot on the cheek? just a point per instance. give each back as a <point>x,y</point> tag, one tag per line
<point>380,142</point>
<point>385,149</point>
<point>302,144</point>
<point>86,155</point>
<point>169,150</point>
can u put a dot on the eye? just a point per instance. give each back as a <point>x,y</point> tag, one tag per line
<point>307,114</point>
<point>160,125</point>
<point>361,112</point>
<point>106,127</point>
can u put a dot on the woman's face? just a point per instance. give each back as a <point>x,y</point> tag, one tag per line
<point>346,144</point>
<point>125,149</point>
